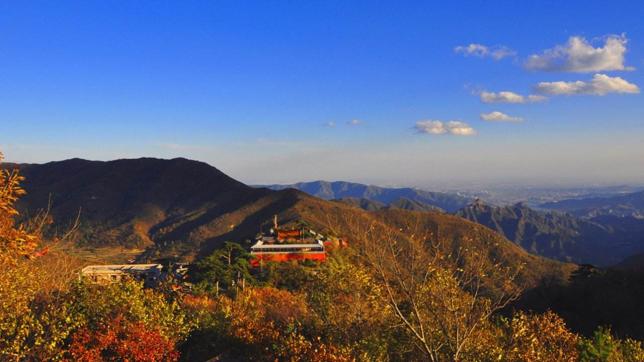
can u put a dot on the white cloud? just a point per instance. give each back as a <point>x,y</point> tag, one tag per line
<point>497,116</point>
<point>579,56</point>
<point>460,128</point>
<point>431,127</point>
<point>456,128</point>
<point>509,97</point>
<point>329,124</point>
<point>483,51</point>
<point>600,85</point>
<point>354,122</point>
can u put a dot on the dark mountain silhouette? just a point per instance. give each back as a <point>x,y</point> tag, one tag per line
<point>604,240</point>
<point>631,204</point>
<point>138,202</point>
<point>593,297</point>
<point>632,263</point>
<point>343,190</point>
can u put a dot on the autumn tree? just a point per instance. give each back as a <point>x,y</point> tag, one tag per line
<point>442,296</point>
<point>344,297</point>
<point>258,323</point>
<point>18,286</point>
<point>120,340</point>
<point>15,240</point>
<point>96,304</point>
<point>537,337</point>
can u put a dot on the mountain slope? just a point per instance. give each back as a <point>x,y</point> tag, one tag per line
<point>632,263</point>
<point>601,241</point>
<point>446,231</point>
<point>365,204</point>
<point>131,202</point>
<point>402,203</point>
<point>341,190</point>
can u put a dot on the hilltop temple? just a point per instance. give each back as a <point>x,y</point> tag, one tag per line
<point>282,245</point>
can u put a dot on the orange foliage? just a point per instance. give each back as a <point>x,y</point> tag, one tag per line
<point>122,341</point>
<point>195,302</point>
<point>15,241</point>
<point>274,321</point>
<point>262,313</point>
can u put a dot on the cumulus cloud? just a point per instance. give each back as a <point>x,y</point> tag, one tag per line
<point>483,51</point>
<point>509,97</point>
<point>459,128</point>
<point>579,56</point>
<point>497,116</point>
<point>600,85</point>
<point>329,124</point>
<point>354,122</point>
<point>456,128</point>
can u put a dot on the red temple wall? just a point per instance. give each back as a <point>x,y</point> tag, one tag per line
<point>284,257</point>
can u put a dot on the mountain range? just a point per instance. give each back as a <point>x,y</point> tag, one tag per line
<point>597,234</point>
<point>185,209</point>
<point>603,240</point>
<point>626,205</point>
<point>398,197</point>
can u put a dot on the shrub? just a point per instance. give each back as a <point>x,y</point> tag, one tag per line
<point>538,337</point>
<point>603,346</point>
<point>120,340</point>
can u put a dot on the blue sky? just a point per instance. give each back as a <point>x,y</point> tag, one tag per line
<point>378,92</point>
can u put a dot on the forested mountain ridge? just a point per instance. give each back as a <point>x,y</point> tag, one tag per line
<point>601,241</point>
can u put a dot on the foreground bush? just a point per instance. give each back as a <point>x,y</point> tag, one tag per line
<point>39,326</point>
<point>543,337</point>
<point>120,340</point>
<point>264,324</point>
<point>602,346</point>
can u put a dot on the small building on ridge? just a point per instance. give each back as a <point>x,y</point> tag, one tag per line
<point>148,273</point>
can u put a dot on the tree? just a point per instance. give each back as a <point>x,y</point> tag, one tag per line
<point>292,275</point>
<point>258,323</point>
<point>18,285</point>
<point>538,337</point>
<point>223,269</point>
<point>441,297</point>
<point>603,346</point>
<point>15,240</point>
<point>273,324</point>
<point>96,304</point>
<point>351,315</point>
